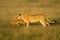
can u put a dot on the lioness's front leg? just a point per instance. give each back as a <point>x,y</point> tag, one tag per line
<point>27,25</point>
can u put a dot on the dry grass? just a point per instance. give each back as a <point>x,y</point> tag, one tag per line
<point>34,32</point>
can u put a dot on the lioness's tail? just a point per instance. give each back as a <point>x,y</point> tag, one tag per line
<point>50,21</point>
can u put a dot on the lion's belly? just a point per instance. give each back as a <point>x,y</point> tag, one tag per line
<point>34,20</point>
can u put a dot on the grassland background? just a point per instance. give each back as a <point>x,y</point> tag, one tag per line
<point>10,8</point>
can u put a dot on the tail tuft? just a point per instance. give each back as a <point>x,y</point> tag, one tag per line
<point>52,21</point>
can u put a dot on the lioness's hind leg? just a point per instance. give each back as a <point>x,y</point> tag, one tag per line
<point>47,23</point>
<point>43,23</point>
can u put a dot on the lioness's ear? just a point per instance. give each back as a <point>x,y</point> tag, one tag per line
<point>19,14</point>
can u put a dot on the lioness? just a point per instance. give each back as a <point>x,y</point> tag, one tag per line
<point>34,18</point>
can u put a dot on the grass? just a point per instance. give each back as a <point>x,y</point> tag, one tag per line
<point>35,32</point>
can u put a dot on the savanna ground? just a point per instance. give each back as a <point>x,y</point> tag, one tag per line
<point>33,32</point>
<point>10,8</point>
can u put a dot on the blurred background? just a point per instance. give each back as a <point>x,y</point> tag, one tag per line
<point>10,8</point>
